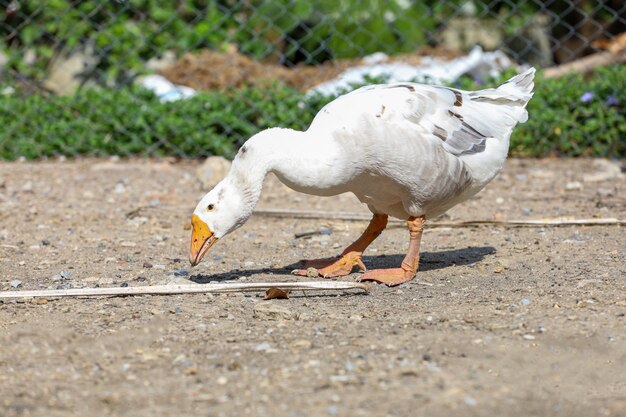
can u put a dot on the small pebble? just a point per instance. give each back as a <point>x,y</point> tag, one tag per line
<point>28,187</point>
<point>302,344</point>
<point>179,359</point>
<point>604,192</point>
<point>525,301</point>
<point>16,283</point>
<point>64,275</point>
<point>124,284</point>
<point>262,347</point>
<point>268,310</point>
<point>528,337</point>
<point>312,272</point>
<point>471,401</point>
<point>573,186</point>
<point>179,273</point>
<point>147,265</point>
<point>119,188</point>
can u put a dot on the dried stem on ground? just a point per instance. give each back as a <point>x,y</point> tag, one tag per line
<point>187,289</point>
<point>353,216</point>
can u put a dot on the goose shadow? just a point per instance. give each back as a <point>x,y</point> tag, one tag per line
<point>429,261</point>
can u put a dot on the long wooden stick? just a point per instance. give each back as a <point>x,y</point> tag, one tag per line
<point>534,223</point>
<point>366,216</point>
<point>187,289</point>
<point>313,214</point>
<point>355,216</point>
<point>586,64</point>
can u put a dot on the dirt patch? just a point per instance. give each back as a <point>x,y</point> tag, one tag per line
<point>210,70</point>
<point>499,321</point>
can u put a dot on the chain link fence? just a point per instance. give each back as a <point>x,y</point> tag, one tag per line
<point>75,75</point>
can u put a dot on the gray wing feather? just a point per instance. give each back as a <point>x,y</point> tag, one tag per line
<point>462,120</point>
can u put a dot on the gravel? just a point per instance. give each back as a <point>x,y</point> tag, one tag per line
<point>272,310</point>
<point>467,344</point>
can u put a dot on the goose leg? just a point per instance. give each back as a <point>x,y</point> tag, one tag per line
<point>351,256</point>
<point>406,272</point>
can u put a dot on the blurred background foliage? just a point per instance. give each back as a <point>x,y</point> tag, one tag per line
<point>122,35</point>
<point>116,41</point>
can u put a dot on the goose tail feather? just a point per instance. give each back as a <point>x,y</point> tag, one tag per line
<point>511,97</point>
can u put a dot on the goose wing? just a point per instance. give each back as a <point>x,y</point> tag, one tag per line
<point>461,121</point>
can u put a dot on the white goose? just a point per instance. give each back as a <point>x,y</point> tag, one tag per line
<point>406,150</point>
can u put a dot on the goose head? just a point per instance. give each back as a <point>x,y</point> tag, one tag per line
<point>221,211</point>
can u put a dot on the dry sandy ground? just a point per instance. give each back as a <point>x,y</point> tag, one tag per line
<point>501,321</point>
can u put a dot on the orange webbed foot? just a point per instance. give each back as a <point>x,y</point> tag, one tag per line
<point>390,277</point>
<point>330,268</point>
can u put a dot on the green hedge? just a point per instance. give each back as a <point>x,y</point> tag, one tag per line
<point>134,121</point>
<point>570,116</point>
<point>576,116</point>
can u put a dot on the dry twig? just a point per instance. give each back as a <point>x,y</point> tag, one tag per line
<point>586,64</point>
<point>187,289</point>
<point>353,216</point>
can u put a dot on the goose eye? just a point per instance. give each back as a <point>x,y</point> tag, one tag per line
<point>210,207</point>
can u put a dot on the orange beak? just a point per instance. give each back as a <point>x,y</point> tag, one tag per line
<point>201,240</point>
